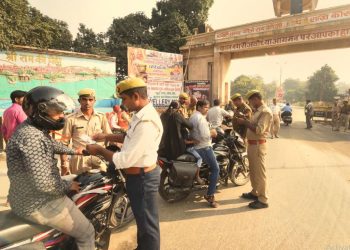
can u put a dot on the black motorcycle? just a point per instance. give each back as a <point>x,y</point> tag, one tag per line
<point>287,118</point>
<point>102,200</point>
<point>178,177</point>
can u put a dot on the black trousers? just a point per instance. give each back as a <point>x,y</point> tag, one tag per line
<point>142,190</point>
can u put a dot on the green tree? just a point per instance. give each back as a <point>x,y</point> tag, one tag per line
<point>270,90</point>
<point>243,84</point>
<point>87,41</point>
<point>321,85</point>
<point>173,20</point>
<point>21,24</point>
<point>294,90</point>
<point>131,30</point>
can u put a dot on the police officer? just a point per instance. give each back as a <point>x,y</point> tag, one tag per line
<point>84,122</point>
<point>138,158</point>
<point>183,100</point>
<point>258,127</point>
<point>242,110</point>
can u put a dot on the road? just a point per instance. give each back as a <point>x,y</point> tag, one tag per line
<point>309,189</point>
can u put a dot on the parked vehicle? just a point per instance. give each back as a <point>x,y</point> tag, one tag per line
<point>102,200</point>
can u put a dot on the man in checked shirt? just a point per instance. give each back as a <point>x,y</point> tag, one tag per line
<point>138,158</point>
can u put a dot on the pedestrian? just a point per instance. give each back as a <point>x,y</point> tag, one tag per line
<point>242,110</point>
<point>216,114</point>
<point>138,158</point>
<point>83,123</point>
<point>335,116</point>
<point>112,118</point>
<point>124,118</point>
<point>14,115</point>
<point>202,136</point>
<point>276,119</point>
<point>230,106</point>
<point>192,106</point>
<point>37,192</point>
<point>258,128</point>
<point>183,100</point>
<point>344,116</point>
<point>309,113</point>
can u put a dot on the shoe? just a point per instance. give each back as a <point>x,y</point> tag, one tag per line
<point>277,136</point>
<point>249,196</point>
<point>258,205</point>
<point>271,137</point>
<point>200,181</point>
<point>211,200</point>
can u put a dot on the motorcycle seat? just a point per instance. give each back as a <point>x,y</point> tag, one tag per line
<point>187,158</point>
<point>13,228</point>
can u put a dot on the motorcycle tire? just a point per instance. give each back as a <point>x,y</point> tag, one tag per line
<point>118,210</point>
<point>239,175</point>
<point>164,189</point>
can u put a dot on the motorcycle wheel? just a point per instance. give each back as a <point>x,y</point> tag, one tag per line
<point>164,189</point>
<point>121,205</point>
<point>240,172</point>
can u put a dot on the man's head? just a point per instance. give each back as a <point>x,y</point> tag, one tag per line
<point>308,101</point>
<point>287,104</point>
<point>237,100</point>
<point>193,101</point>
<point>183,98</point>
<point>86,99</point>
<point>274,101</point>
<point>116,108</point>
<point>133,92</point>
<point>203,107</point>
<point>216,102</point>
<point>17,96</point>
<point>255,98</point>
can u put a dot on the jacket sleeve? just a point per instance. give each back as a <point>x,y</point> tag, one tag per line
<point>184,122</point>
<point>41,168</point>
<point>60,148</point>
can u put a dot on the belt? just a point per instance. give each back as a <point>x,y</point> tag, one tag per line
<point>256,142</point>
<point>137,170</point>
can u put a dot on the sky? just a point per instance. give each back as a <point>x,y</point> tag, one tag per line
<point>99,15</point>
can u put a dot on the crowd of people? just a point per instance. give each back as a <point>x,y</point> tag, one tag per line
<point>187,126</point>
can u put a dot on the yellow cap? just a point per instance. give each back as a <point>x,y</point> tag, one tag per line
<point>87,92</point>
<point>184,96</point>
<point>252,92</point>
<point>130,83</point>
<point>236,96</point>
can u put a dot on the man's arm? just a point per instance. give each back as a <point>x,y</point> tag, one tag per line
<point>66,137</point>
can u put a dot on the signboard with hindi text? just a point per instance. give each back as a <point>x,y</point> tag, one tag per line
<point>198,88</point>
<point>162,72</point>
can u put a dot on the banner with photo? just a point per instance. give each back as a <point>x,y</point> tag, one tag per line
<point>163,73</point>
<point>198,88</point>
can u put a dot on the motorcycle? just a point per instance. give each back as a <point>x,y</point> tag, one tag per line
<point>287,118</point>
<point>238,171</point>
<point>102,200</point>
<point>178,177</point>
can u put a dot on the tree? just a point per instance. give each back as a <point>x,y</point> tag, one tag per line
<point>294,90</point>
<point>243,84</point>
<point>173,20</point>
<point>321,86</point>
<point>343,88</point>
<point>270,90</point>
<point>131,30</point>
<point>21,24</point>
<point>88,42</point>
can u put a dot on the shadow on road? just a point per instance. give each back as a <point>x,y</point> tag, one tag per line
<point>319,133</point>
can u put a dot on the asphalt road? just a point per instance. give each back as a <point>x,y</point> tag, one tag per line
<point>309,189</point>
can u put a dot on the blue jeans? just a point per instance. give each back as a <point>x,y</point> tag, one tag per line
<point>142,191</point>
<point>193,151</point>
<point>208,156</point>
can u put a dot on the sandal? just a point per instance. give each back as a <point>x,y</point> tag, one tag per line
<point>211,200</point>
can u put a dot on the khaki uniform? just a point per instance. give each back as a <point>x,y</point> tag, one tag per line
<point>262,118</point>
<point>344,117</point>
<point>247,112</point>
<point>184,111</point>
<point>276,122</point>
<point>76,126</point>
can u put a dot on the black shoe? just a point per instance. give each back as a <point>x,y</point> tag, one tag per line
<point>249,196</point>
<point>258,205</point>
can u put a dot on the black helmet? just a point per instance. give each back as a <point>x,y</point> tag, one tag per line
<point>41,100</point>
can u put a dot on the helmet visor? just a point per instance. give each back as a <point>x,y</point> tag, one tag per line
<point>62,103</point>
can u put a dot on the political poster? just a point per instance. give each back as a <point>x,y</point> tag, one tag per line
<point>198,88</point>
<point>162,72</point>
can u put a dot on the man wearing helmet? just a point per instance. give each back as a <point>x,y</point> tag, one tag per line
<point>37,192</point>
<point>85,121</point>
<point>258,127</point>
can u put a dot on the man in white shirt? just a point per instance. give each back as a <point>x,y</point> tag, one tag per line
<point>202,135</point>
<point>216,114</point>
<point>276,120</point>
<point>138,158</point>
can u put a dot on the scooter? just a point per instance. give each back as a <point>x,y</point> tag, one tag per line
<point>287,118</point>
<point>102,200</point>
